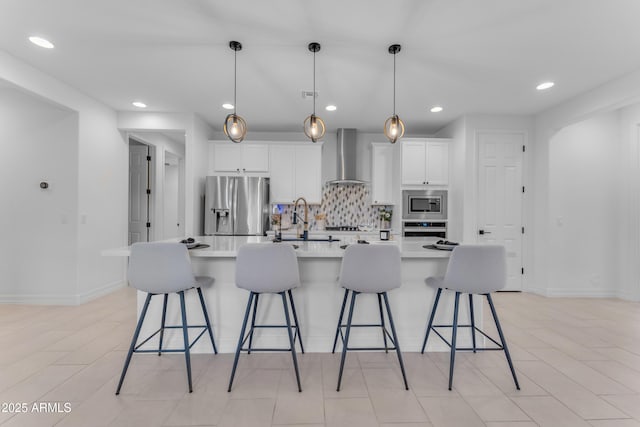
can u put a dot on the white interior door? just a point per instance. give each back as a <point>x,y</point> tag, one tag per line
<point>500,197</point>
<point>138,197</point>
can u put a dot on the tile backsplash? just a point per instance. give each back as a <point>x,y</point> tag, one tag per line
<point>342,204</point>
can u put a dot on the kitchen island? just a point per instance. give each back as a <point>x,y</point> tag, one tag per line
<point>318,299</point>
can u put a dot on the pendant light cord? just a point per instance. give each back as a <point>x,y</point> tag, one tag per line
<point>314,83</point>
<point>235,80</point>
<point>394,84</point>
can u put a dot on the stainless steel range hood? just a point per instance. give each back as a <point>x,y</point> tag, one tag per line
<point>347,157</point>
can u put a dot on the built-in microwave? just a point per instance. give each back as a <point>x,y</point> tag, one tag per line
<point>424,204</point>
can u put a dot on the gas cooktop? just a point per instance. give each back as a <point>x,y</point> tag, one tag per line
<point>343,228</point>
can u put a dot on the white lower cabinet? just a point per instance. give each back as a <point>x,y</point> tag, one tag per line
<point>296,171</point>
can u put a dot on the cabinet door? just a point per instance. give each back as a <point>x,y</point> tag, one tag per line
<point>255,158</point>
<point>381,174</point>
<point>282,184</point>
<point>308,173</point>
<point>437,163</point>
<point>413,162</point>
<point>227,158</point>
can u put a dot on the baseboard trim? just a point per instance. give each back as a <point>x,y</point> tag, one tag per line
<point>581,293</point>
<point>49,299</point>
<point>97,293</point>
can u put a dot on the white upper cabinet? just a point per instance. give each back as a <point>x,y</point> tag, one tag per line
<point>308,173</point>
<point>381,174</point>
<point>240,158</point>
<point>282,159</point>
<point>425,161</point>
<point>296,171</point>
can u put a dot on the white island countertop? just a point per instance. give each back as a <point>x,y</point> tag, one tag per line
<point>227,247</point>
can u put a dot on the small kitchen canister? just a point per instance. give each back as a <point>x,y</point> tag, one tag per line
<point>385,234</point>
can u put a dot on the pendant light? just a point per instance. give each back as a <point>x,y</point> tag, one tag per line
<point>235,126</point>
<point>313,125</point>
<point>393,126</point>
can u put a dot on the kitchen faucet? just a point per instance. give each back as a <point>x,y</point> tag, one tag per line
<point>305,233</point>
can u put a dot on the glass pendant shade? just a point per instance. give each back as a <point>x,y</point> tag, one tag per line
<point>313,125</point>
<point>314,128</point>
<point>235,127</point>
<point>393,128</point>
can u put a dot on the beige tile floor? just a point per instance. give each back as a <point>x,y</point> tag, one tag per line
<point>578,362</point>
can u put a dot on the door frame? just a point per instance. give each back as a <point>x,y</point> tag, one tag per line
<point>181,189</point>
<point>525,211</point>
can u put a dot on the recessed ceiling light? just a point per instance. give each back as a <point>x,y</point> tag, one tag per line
<point>227,106</point>
<point>331,108</point>
<point>436,109</point>
<point>545,85</point>
<point>39,41</point>
<point>139,104</point>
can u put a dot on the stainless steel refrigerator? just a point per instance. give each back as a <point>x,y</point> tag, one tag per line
<point>236,206</point>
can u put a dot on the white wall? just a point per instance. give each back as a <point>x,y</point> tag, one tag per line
<point>101,196</point>
<point>583,214</point>
<point>39,227</point>
<point>629,203</point>
<point>457,177</point>
<point>612,96</point>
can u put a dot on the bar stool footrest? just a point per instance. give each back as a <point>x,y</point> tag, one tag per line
<point>136,349</point>
<point>499,346</point>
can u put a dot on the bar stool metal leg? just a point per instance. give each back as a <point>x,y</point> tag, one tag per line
<point>241,339</point>
<point>291,340</point>
<point>134,340</point>
<point>395,340</point>
<point>253,321</point>
<point>206,319</point>
<point>453,338</point>
<point>295,320</point>
<point>338,328</point>
<point>185,333</point>
<point>431,317</point>
<point>473,323</point>
<point>384,331</point>
<point>345,343</point>
<point>164,317</point>
<point>503,341</point>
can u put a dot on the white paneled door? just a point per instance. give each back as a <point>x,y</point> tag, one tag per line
<point>138,198</point>
<point>500,195</point>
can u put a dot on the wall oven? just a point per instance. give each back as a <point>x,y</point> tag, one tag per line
<point>424,205</point>
<point>424,214</point>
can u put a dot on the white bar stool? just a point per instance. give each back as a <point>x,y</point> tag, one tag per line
<point>161,269</point>
<point>273,269</point>
<point>373,269</point>
<point>473,270</point>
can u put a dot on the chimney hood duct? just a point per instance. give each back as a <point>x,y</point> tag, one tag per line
<point>347,156</point>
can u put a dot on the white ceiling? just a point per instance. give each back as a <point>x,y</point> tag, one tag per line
<point>469,56</point>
